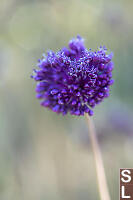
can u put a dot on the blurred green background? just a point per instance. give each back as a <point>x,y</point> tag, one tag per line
<point>44,156</point>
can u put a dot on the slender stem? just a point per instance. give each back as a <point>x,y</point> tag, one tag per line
<point>102,184</point>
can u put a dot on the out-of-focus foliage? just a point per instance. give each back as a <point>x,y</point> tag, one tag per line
<point>43,155</point>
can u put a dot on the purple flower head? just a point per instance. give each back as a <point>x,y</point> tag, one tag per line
<point>74,79</point>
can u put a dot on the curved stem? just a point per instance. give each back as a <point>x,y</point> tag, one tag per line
<point>102,183</point>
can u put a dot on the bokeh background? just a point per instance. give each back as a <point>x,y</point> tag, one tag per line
<point>44,156</point>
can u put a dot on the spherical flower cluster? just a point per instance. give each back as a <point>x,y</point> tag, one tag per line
<point>74,79</point>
